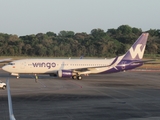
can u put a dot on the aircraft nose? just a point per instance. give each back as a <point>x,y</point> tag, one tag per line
<point>5,68</point>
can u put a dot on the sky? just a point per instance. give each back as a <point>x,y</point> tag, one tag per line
<point>25,17</point>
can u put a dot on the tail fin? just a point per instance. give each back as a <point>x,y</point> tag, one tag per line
<point>137,50</point>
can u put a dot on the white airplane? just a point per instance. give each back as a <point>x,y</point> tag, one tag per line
<point>75,68</point>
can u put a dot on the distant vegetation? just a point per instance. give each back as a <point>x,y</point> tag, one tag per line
<point>69,44</point>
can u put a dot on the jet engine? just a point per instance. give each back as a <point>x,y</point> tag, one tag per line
<point>64,73</point>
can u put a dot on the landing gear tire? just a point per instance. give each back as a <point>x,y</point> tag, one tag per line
<point>74,77</point>
<point>4,87</point>
<point>79,77</point>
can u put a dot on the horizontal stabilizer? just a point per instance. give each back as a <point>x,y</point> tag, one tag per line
<point>143,61</point>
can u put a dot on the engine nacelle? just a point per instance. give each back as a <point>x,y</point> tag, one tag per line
<point>64,73</point>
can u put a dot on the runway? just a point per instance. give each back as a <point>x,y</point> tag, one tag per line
<point>121,96</point>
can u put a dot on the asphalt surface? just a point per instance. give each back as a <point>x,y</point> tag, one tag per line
<point>120,96</point>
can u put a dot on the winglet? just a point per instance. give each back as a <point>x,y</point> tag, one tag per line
<point>11,115</point>
<point>137,50</point>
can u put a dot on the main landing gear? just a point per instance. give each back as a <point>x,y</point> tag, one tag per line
<point>77,77</point>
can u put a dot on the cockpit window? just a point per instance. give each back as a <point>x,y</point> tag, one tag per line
<point>11,63</point>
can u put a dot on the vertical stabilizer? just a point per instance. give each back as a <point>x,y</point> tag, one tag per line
<point>137,50</point>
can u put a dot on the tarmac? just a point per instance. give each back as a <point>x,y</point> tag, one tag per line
<point>132,95</point>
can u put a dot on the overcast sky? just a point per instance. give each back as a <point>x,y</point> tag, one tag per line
<point>25,17</point>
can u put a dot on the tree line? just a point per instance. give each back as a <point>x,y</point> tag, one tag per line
<point>70,44</point>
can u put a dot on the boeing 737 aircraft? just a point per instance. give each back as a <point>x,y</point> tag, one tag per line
<point>75,68</point>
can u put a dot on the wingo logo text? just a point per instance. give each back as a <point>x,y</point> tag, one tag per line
<point>43,64</point>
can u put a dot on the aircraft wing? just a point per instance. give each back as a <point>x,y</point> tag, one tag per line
<point>5,60</point>
<point>95,68</point>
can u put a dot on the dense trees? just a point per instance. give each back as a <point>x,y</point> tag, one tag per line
<point>67,43</point>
